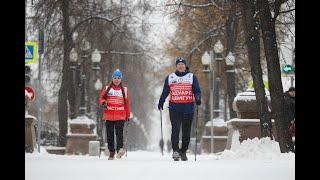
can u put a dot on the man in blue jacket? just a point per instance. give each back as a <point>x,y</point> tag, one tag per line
<point>184,90</point>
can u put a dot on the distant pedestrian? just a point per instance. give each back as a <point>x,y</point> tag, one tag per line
<point>289,105</point>
<point>116,102</point>
<point>289,112</point>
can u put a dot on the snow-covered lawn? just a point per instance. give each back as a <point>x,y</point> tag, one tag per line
<point>252,160</point>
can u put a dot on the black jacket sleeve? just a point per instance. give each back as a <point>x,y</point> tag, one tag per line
<point>196,87</point>
<point>165,91</point>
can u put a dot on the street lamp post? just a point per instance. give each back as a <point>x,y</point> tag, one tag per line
<point>79,138</point>
<point>85,47</point>
<point>218,49</point>
<point>73,66</point>
<point>206,60</point>
<point>230,59</point>
<point>96,58</point>
<point>99,112</point>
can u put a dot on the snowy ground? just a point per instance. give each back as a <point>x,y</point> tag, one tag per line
<point>252,160</point>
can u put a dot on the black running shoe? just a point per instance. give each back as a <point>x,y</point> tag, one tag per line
<point>176,156</point>
<point>183,156</point>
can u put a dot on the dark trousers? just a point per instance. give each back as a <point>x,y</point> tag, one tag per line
<point>110,126</point>
<point>177,119</point>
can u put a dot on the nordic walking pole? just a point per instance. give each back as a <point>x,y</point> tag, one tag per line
<point>161,132</point>
<point>98,124</point>
<point>127,138</point>
<point>195,151</point>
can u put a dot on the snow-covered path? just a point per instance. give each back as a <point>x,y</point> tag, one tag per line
<point>152,166</point>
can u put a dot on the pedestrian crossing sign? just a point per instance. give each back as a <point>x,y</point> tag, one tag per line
<point>31,50</point>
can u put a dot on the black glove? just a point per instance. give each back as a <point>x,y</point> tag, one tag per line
<point>104,104</point>
<point>128,119</point>
<point>198,100</point>
<point>160,106</point>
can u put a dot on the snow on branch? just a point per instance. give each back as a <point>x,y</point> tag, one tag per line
<point>212,3</point>
<point>121,53</point>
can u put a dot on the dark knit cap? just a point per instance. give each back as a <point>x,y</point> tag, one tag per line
<point>292,89</point>
<point>181,60</point>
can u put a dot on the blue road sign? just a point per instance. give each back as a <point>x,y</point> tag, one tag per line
<point>31,52</point>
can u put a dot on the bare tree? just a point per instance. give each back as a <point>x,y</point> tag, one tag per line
<point>200,24</point>
<point>274,74</point>
<point>111,21</point>
<point>231,34</point>
<point>250,23</point>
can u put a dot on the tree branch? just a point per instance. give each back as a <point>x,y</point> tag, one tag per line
<point>282,12</point>
<point>201,42</point>
<point>277,6</point>
<point>99,18</point>
<point>121,52</point>
<point>194,5</point>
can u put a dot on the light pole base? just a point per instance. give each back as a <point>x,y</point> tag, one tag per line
<point>82,131</point>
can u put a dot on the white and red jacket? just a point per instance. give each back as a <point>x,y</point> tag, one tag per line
<point>116,109</point>
<point>181,88</point>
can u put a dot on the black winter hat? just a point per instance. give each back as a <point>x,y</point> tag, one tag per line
<point>292,89</point>
<point>181,60</point>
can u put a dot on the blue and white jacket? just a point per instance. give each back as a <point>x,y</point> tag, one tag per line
<point>184,108</point>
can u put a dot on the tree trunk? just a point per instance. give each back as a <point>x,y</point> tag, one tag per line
<point>231,37</point>
<point>253,47</point>
<point>274,75</point>
<point>63,92</point>
<point>231,28</point>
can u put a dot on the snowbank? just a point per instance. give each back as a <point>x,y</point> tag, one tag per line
<point>36,152</point>
<point>216,122</point>
<point>256,149</point>
<point>82,120</point>
<point>249,95</point>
